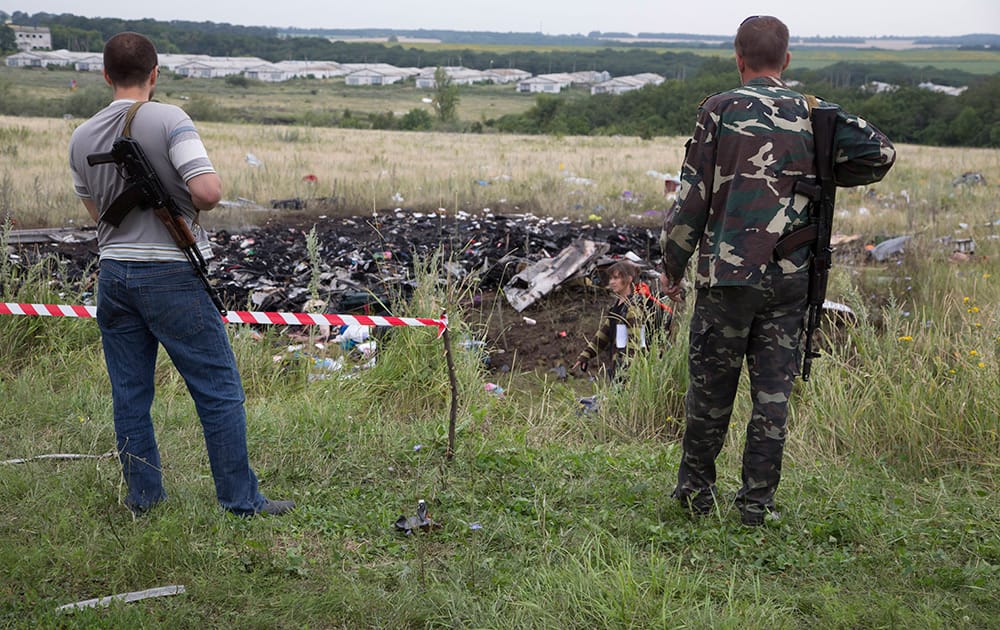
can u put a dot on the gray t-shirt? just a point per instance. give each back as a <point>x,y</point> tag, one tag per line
<point>174,148</point>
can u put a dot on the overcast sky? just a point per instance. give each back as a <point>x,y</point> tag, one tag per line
<point>843,17</point>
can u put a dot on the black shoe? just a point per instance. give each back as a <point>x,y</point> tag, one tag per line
<point>754,518</point>
<point>699,504</point>
<point>276,508</point>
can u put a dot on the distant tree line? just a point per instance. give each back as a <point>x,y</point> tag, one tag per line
<point>907,114</point>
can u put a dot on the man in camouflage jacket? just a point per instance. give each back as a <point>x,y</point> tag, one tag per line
<point>749,147</point>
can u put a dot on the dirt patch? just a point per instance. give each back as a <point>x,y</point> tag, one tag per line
<point>545,336</point>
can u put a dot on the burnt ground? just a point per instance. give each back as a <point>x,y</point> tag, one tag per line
<point>365,265</point>
<point>366,262</point>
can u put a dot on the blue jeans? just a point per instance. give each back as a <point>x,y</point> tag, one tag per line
<point>141,305</point>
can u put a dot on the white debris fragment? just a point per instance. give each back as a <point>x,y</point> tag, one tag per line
<point>162,591</point>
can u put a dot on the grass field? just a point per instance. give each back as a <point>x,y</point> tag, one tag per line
<point>288,101</point>
<point>364,170</point>
<point>550,518</point>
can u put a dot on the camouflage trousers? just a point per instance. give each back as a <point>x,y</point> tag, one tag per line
<point>764,324</point>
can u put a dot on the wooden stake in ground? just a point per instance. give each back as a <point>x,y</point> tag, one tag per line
<point>453,381</point>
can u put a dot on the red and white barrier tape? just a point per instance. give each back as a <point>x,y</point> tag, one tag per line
<point>240,317</point>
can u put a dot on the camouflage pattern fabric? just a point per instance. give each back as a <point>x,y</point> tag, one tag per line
<point>764,324</point>
<point>749,147</point>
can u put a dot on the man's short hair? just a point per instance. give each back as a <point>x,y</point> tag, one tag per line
<point>762,41</point>
<point>129,58</point>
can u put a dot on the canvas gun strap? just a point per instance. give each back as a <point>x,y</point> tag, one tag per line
<point>130,116</point>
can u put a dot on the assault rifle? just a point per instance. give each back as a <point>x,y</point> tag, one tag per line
<point>145,190</point>
<point>822,196</point>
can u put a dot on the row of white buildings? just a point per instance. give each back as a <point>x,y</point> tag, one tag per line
<point>356,74</point>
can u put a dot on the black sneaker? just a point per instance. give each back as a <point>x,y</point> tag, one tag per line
<point>276,508</point>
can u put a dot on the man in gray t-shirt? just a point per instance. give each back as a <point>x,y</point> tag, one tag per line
<point>149,295</point>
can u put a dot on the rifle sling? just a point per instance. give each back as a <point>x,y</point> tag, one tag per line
<point>795,239</point>
<point>130,116</point>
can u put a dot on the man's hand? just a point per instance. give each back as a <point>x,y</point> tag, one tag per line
<point>671,288</point>
<point>579,365</point>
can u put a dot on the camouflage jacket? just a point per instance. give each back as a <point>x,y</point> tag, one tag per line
<point>749,147</point>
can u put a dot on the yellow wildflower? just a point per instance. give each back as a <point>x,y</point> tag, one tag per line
<point>981,364</point>
<point>904,338</point>
<point>973,353</point>
<point>965,299</point>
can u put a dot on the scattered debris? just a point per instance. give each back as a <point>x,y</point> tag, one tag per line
<point>56,456</point>
<point>889,247</point>
<point>162,591</point>
<point>51,235</point>
<point>839,312</point>
<point>365,263</point>
<point>588,405</point>
<point>965,246</point>
<point>580,181</point>
<point>493,388</point>
<point>422,521</point>
<point>837,240</point>
<point>545,275</point>
<point>969,179</point>
<point>287,204</point>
